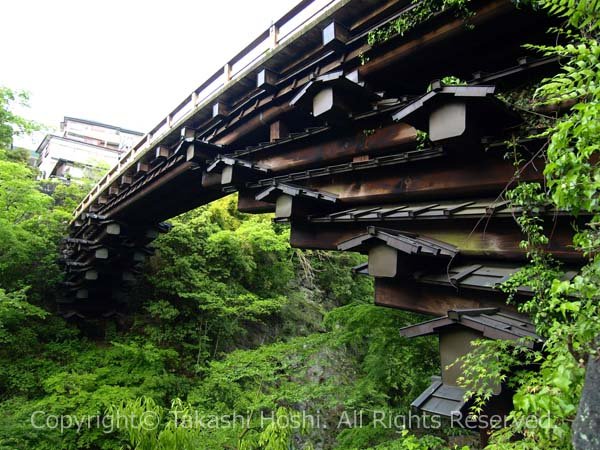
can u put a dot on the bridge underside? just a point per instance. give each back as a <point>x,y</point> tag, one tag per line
<point>323,132</point>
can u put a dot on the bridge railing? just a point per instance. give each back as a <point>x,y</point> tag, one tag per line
<point>285,28</point>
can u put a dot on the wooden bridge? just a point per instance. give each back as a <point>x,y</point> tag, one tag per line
<point>313,123</point>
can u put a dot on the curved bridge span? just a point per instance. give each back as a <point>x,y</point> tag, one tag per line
<point>312,122</point>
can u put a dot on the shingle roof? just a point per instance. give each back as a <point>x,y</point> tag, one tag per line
<point>220,161</point>
<point>462,209</point>
<point>496,111</point>
<point>485,276</point>
<point>407,243</point>
<point>441,399</point>
<point>271,193</point>
<point>491,322</point>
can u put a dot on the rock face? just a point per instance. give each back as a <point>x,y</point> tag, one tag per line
<point>586,428</point>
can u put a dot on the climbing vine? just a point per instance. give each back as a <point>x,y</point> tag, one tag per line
<point>565,311</point>
<point>419,12</point>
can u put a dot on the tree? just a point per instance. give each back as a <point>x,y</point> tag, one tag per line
<point>12,124</point>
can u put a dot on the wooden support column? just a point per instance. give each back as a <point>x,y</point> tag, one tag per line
<point>273,36</point>
<point>227,69</point>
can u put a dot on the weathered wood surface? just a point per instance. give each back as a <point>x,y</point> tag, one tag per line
<point>433,300</point>
<point>486,238</point>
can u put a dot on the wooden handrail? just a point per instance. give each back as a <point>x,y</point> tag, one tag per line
<point>204,91</point>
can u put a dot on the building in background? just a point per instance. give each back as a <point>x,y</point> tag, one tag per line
<point>83,147</point>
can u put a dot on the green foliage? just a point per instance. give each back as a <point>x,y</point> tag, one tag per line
<point>32,224</point>
<point>449,80</point>
<point>421,11</point>
<point>216,274</point>
<point>565,312</point>
<point>360,325</point>
<point>12,124</point>
<point>14,312</point>
<point>583,15</point>
<point>152,427</point>
<point>487,366</point>
<point>412,442</point>
<point>278,434</point>
<point>230,319</point>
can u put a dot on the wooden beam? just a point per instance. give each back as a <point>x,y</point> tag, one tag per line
<point>219,109</point>
<point>278,130</point>
<point>335,35</point>
<point>433,300</point>
<point>487,12</point>
<point>329,151</point>
<point>497,238</point>
<point>266,79</point>
<point>141,168</point>
<point>456,176</point>
<point>229,135</point>
<point>247,203</point>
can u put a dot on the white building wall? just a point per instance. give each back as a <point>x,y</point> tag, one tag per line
<point>99,135</point>
<point>77,153</point>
